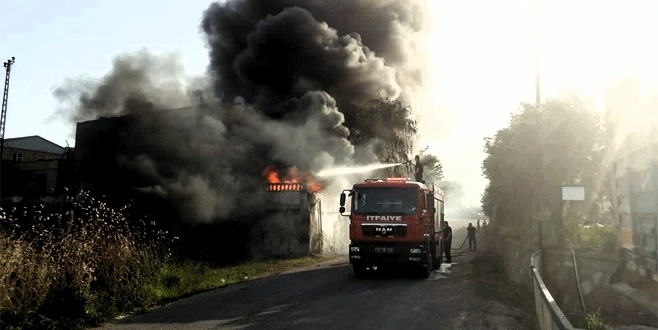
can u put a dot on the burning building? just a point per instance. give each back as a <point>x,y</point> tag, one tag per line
<point>277,214</point>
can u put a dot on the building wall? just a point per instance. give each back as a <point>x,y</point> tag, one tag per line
<point>27,155</point>
<point>290,226</point>
<point>32,172</point>
<point>635,177</point>
<point>42,174</point>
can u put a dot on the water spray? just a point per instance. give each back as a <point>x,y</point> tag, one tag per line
<point>353,170</point>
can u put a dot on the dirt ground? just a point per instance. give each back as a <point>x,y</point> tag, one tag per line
<point>498,303</point>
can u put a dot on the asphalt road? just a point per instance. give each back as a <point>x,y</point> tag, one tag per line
<point>330,297</point>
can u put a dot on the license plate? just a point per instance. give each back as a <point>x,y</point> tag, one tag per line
<point>380,249</point>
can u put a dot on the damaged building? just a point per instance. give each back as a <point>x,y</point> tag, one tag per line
<point>273,218</point>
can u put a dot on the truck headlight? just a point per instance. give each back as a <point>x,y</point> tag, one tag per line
<point>414,251</point>
<point>354,249</point>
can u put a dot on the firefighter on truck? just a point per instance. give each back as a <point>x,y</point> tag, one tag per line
<point>394,221</point>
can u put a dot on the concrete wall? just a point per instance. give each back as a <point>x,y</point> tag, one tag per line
<point>515,254</point>
<point>594,271</point>
<point>290,226</point>
<point>549,314</point>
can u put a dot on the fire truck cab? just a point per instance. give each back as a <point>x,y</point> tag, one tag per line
<point>394,221</point>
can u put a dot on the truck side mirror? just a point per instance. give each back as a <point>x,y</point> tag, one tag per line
<point>342,203</point>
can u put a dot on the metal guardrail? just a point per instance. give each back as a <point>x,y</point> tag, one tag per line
<point>549,315</point>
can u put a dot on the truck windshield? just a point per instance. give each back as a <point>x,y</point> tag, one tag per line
<point>385,201</point>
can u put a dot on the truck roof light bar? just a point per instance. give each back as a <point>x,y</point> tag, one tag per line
<point>389,179</point>
<point>397,179</point>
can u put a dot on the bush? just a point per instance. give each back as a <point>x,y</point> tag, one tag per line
<point>80,265</point>
<point>593,237</point>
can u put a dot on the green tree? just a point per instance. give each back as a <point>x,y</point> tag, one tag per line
<point>540,151</point>
<point>385,122</point>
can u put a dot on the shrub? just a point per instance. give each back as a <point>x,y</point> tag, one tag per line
<point>80,265</point>
<point>25,275</point>
<point>594,237</point>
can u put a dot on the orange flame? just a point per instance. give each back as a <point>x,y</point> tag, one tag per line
<point>292,181</point>
<point>272,174</point>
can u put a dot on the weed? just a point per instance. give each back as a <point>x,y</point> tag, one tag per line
<point>591,322</point>
<point>84,263</point>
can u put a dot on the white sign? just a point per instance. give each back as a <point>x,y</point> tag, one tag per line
<point>573,193</point>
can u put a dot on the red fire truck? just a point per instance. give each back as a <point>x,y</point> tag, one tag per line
<point>395,221</point>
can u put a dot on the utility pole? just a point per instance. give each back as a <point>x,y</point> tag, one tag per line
<point>538,37</point>
<point>537,89</point>
<point>3,117</point>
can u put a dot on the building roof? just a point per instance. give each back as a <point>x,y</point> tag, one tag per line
<point>35,143</point>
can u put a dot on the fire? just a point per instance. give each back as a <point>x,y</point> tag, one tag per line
<point>292,181</point>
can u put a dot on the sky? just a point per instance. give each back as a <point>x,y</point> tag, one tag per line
<point>483,54</point>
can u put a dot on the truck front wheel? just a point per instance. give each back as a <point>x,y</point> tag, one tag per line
<point>426,270</point>
<point>360,270</point>
<point>438,259</point>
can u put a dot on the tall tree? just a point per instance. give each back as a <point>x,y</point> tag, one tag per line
<point>540,151</point>
<point>385,122</point>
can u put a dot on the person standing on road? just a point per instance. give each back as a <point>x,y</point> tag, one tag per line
<point>472,243</point>
<point>447,241</point>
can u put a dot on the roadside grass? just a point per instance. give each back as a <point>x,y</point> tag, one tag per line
<point>177,280</point>
<point>492,283</point>
<point>84,263</point>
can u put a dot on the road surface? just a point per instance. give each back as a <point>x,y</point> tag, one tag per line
<point>471,293</point>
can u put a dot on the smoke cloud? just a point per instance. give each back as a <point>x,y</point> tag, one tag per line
<point>271,51</point>
<point>280,77</point>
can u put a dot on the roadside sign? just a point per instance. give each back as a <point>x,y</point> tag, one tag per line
<point>573,193</point>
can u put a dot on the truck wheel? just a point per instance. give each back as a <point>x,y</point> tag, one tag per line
<point>426,270</point>
<point>360,271</point>
<point>436,261</point>
<point>439,259</point>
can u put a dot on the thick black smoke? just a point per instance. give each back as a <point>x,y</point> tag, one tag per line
<point>293,65</point>
<point>271,51</point>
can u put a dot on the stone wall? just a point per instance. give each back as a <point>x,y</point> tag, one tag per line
<point>594,271</point>
<point>514,252</point>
